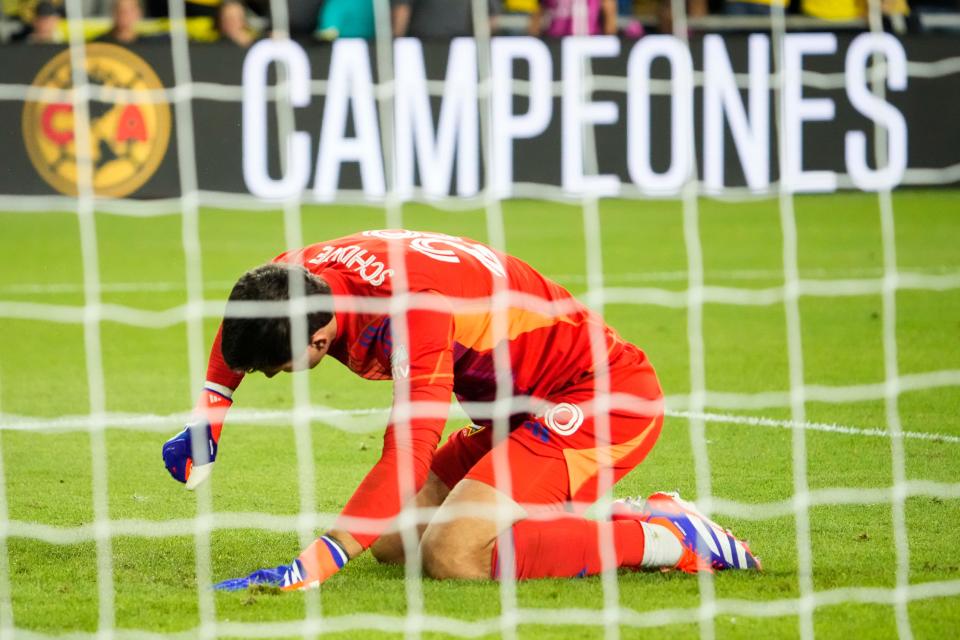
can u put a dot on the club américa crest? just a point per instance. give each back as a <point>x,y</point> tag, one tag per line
<point>128,137</point>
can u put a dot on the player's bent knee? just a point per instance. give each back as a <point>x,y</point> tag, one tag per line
<point>388,549</point>
<point>443,563</point>
<point>448,555</point>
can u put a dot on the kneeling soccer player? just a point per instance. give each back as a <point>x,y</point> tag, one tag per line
<point>585,408</point>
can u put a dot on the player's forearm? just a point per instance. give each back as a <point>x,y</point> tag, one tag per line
<point>201,436</point>
<point>378,499</point>
<point>536,22</point>
<point>609,17</point>
<point>698,8</point>
<point>403,467</point>
<point>422,392</point>
<point>401,20</point>
<point>218,373</point>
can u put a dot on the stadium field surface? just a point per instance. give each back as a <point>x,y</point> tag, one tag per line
<point>49,556</point>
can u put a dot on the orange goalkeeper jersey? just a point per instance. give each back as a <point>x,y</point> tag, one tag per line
<point>465,300</point>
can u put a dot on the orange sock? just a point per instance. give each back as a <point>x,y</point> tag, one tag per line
<point>569,547</point>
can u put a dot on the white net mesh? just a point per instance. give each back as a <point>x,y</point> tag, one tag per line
<point>700,407</point>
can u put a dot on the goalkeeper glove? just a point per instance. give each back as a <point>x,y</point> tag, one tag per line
<point>323,558</point>
<point>206,426</point>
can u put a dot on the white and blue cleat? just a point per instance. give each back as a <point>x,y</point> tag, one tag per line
<point>281,577</point>
<point>706,545</point>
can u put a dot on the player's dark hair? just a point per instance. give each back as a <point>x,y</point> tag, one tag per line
<point>263,343</point>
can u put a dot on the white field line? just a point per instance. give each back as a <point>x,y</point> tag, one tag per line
<point>369,420</point>
<point>858,279</point>
<point>824,427</point>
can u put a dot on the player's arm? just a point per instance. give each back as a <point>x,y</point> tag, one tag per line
<point>380,496</point>
<point>408,449</point>
<point>400,11</point>
<point>189,455</point>
<point>609,17</point>
<point>535,26</point>
<point>408,446</point>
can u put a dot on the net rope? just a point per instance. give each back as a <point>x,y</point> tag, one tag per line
<point>691,407</point>
<point>891,369</point>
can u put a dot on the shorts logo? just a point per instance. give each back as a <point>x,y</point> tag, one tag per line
<point>128,137</point>
<point>538,430</point>
<point>472,430</point>
<point>564,418</point>
<point>400,363</point>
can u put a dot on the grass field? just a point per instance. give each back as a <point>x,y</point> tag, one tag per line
<point>49,476</point>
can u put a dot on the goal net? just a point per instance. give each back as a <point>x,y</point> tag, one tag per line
<point>550,150</point>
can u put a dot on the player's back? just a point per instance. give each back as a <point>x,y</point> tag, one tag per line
<point>491,296</point>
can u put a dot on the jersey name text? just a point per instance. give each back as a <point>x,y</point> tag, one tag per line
<point>366,264</point>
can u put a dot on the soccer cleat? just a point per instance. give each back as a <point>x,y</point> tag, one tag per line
<point>286,577</point>
<point>323,558</point>
<point>275,577</point>
<point>706,545</point>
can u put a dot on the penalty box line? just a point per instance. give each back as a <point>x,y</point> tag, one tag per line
<point>273,418</point>
<point>823,427</point>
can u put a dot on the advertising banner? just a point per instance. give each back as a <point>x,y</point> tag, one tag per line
<point>593,116</point>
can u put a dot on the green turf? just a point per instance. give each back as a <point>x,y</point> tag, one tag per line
<point>49,476</point>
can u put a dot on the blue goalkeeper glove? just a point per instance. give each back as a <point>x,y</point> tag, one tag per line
<point>323,558</point>
<point>178,451</point>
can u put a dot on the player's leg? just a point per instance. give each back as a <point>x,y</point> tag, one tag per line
<point>554,459</point>
<point>672,534</point>
<point>388,548</point>
<point>450,464</point>
<point>459,541</point>
<point>668,533</point>
<point>572,545</point>
<point>548,541</point>
<point>462,539</point>
<point>564,545</point>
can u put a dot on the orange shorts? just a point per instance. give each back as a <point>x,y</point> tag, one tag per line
<point>558,457</point>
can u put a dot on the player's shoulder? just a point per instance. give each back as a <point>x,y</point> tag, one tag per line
<point>456,265</point>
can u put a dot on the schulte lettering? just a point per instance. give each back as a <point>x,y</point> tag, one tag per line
<point>366,264</point>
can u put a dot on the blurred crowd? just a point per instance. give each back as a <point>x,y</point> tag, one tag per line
<point>241,22</point>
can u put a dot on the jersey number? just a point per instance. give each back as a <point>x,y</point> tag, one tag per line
<point>442,247</point>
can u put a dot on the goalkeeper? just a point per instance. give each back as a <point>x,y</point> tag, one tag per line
<point>439,314</point>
